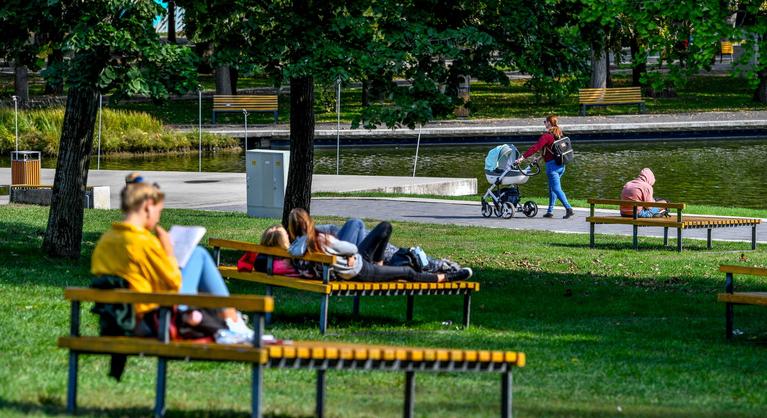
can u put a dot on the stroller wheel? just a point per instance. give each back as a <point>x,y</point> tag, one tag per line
<point>507,210</point>
<point>487,210</point>
<point>530,209</point>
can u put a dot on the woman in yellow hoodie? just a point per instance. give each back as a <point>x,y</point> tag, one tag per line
<point>145,260</point>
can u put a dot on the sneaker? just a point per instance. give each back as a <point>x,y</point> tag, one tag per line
<point>461,274</point>
<point>548,215</point>
<point>225,336</point>
<point>239,327</point>
<point>568,213</point>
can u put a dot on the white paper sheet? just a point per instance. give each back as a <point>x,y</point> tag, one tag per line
<point>185,240</point>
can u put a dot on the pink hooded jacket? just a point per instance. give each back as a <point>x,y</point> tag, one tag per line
<point>638,190</point>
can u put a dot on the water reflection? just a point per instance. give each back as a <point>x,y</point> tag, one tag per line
<point>724,173</point>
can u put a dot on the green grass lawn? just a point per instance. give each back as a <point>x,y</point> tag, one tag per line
<point>607,332</point>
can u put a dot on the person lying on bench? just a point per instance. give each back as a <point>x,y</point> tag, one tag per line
<point>145,260</point>
<point>363,263</point>
<point>641,190</point>
<point>274,236</point>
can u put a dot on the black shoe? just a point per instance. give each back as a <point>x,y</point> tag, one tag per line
<point>548,215</point>
<point>461,274</point>
<point>568,213</point>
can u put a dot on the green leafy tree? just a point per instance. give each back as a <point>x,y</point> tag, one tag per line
<point>112,48</point>
<point>751,25</point>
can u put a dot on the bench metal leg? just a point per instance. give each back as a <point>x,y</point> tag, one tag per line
<point>583,110</point>
<point>276,115</point>
<point>72,383</point>
<point>214,117</point>
<point>591,235</point>
<point>506,386</point>
<point>665,236</point>
<point>708,238</point>
<point>356,306</point>
<point>466,309</point>
<point>729,287</point>
<point>636,237</point>
<point>159,401</point>
<point>409,311</point>
<point>679,239</point>
<point>319,410</point>
<point>324,313</point>
<point>268,315</point>
<point>753,237</point>
<point>409,395</point>
<point>257,390</point>
<point>217,255</point>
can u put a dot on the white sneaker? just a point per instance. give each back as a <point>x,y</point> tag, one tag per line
<point>239,327</point>
<point>225,336</point>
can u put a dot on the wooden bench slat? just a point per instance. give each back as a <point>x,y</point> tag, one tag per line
<point>277,252</point>
<point>753,271</point>
<point>744,298</point>
<point>620,202</point>
<point>244,303</point>
<point>315,286</point>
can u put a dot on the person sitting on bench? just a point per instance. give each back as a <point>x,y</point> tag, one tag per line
<point>145,260</point>
<point>641,190</point>
<point>363,263</point>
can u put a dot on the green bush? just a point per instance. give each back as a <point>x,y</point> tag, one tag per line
<point>122,131</point>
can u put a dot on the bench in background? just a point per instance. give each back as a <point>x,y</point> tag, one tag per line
<point>314,355</point>
<point>610,97</point>
<point>677,221</point>
<point>726,49</point>
<point>236,104</point>
<point>326,288</point>
<point>731,298</point>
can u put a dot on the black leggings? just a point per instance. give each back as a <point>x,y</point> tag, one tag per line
<point>372,250</point>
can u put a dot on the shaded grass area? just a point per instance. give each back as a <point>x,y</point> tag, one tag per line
<point>605,330</point>
<point>543,202</point>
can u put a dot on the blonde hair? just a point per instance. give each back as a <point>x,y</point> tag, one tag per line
<point>134,177</point>
<point>554,129</point>
<point>133,196</point>
<point>275,236</point>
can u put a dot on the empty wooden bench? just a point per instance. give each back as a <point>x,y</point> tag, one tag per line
<point>731,298</point>
<point>315,355</point>
<point>726,49</point>
<point>236,104</point>
<point>675,221</point>
<point>610,97</point>
<point>327,288</point>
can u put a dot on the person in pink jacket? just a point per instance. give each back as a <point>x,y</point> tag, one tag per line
<point>641,190</point>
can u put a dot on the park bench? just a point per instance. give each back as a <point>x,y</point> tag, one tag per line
<point>731,298</point>
<point>676,221</point>
<point>327,288</point>
<point>314,355</point>
<point>726,49</point>
<point>609,97</point>
<point>236,104</point>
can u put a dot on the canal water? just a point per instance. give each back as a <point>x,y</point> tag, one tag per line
<point>722,173</point>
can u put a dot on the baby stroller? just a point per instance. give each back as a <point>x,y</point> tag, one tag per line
<point>503,198</point>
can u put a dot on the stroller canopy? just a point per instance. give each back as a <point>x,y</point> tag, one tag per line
<point>500,158</point>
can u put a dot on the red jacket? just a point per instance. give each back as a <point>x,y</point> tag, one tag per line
<point>545,142</point>
<point>281,266</point>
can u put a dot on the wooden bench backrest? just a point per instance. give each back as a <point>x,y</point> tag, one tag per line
<point>274,251</point>
<point>264,103</point>
<point>726,48</point>
<point>753,271</point>
<point>632,203</point>
<point>255,304</point>
<point>610,95</point>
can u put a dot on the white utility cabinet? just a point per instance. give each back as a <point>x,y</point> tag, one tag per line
<point>266,178</point>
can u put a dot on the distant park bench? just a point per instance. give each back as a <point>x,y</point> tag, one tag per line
<point>610,97</point>
<point>726,49</point>
<point>677,221</point>
<point>236,104</point>
<point>326,288</point>
<point>314,355</point>
<point>731,298</point>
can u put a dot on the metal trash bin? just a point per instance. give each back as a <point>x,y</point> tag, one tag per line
<point>25,168</point>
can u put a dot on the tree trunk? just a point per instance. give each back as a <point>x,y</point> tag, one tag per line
<point>598,67</point>
<point>760,95</point>
<point>55,85</point>
<point>298,193</point>
<point>234,76</point>
<point>65,220</point>
<point>223,80</point>
<point>171,22</point>
<point>365,96</point>
<point>637,68</point>
<point>21,84</point>
<point>608,78</point>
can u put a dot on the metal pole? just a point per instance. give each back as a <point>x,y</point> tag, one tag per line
<point>417,146</point>
<point>338,125</point>
<point>245,114</point>
<point>16,111</point>
<point>98,153</point>
<point>199,129</point>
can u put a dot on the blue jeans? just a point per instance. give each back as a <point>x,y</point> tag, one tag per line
<point>647,212</point>
<point>353,231</point>
<point>200,275</point>
<point>554,172</point>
